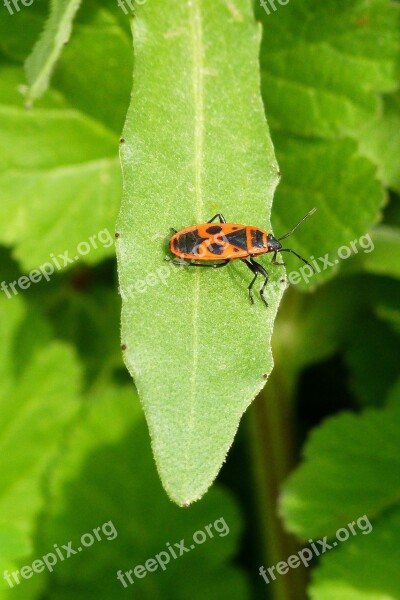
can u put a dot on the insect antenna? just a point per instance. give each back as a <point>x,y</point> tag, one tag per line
<point>312,211</point>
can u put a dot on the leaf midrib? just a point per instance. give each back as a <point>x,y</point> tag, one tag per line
<point>198,93</point>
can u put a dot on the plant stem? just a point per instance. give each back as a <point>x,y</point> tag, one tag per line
<point>273,447</point>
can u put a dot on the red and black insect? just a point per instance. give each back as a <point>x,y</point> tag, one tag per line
<point>198,245</point>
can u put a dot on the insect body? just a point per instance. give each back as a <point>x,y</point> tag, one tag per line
<point>202,245</point>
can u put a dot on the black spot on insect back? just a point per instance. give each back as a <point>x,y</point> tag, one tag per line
<point>257,238</point>
<point>237,238</point>
<point>214,229</point>
<point>216,249</point>
<point>189,242</point>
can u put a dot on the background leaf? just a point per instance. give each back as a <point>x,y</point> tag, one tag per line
<point>325,174</point>
<point>363,567</point>
<point>71,176</point>
<point>65,152</point>
<point>383,364</point>
<point>384,260</point>
<point>314,98</point>
<point>104,47</point>
<point>36,410</point>
<point>350,469</point>
<point>380,141</point>
<point>312,81</point>
<point>41,62</point>
<point>101,472</point>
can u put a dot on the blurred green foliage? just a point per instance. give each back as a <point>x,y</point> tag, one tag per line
<point>75,451</point>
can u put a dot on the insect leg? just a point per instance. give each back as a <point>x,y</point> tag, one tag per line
<point>275,262</point>
<point>184,263</point>
<point>264,273</point>
<point>213,266</point>
<point>218,216</point>
<point>254,270</point>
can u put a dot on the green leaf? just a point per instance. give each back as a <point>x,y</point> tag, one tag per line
<point>380,141</point>
<point>372,373</point>
<point>100,51</point>
<point>41,62</point>
<point>385,259</point>
<point>391,315</point>
<point>323,64</point>
<point>351,465</point>
<point>55,194</point>
<point>394,396</point>
<point>324,173</point>
<point>343,317</point>
<point>364,568</point>
<point>310,328</point>
<point>18,33</point>
<point>196,143</point>
<point>37,403</point>
<point>108,471</point>
<point>90,322</point>
<point>323,67</point>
